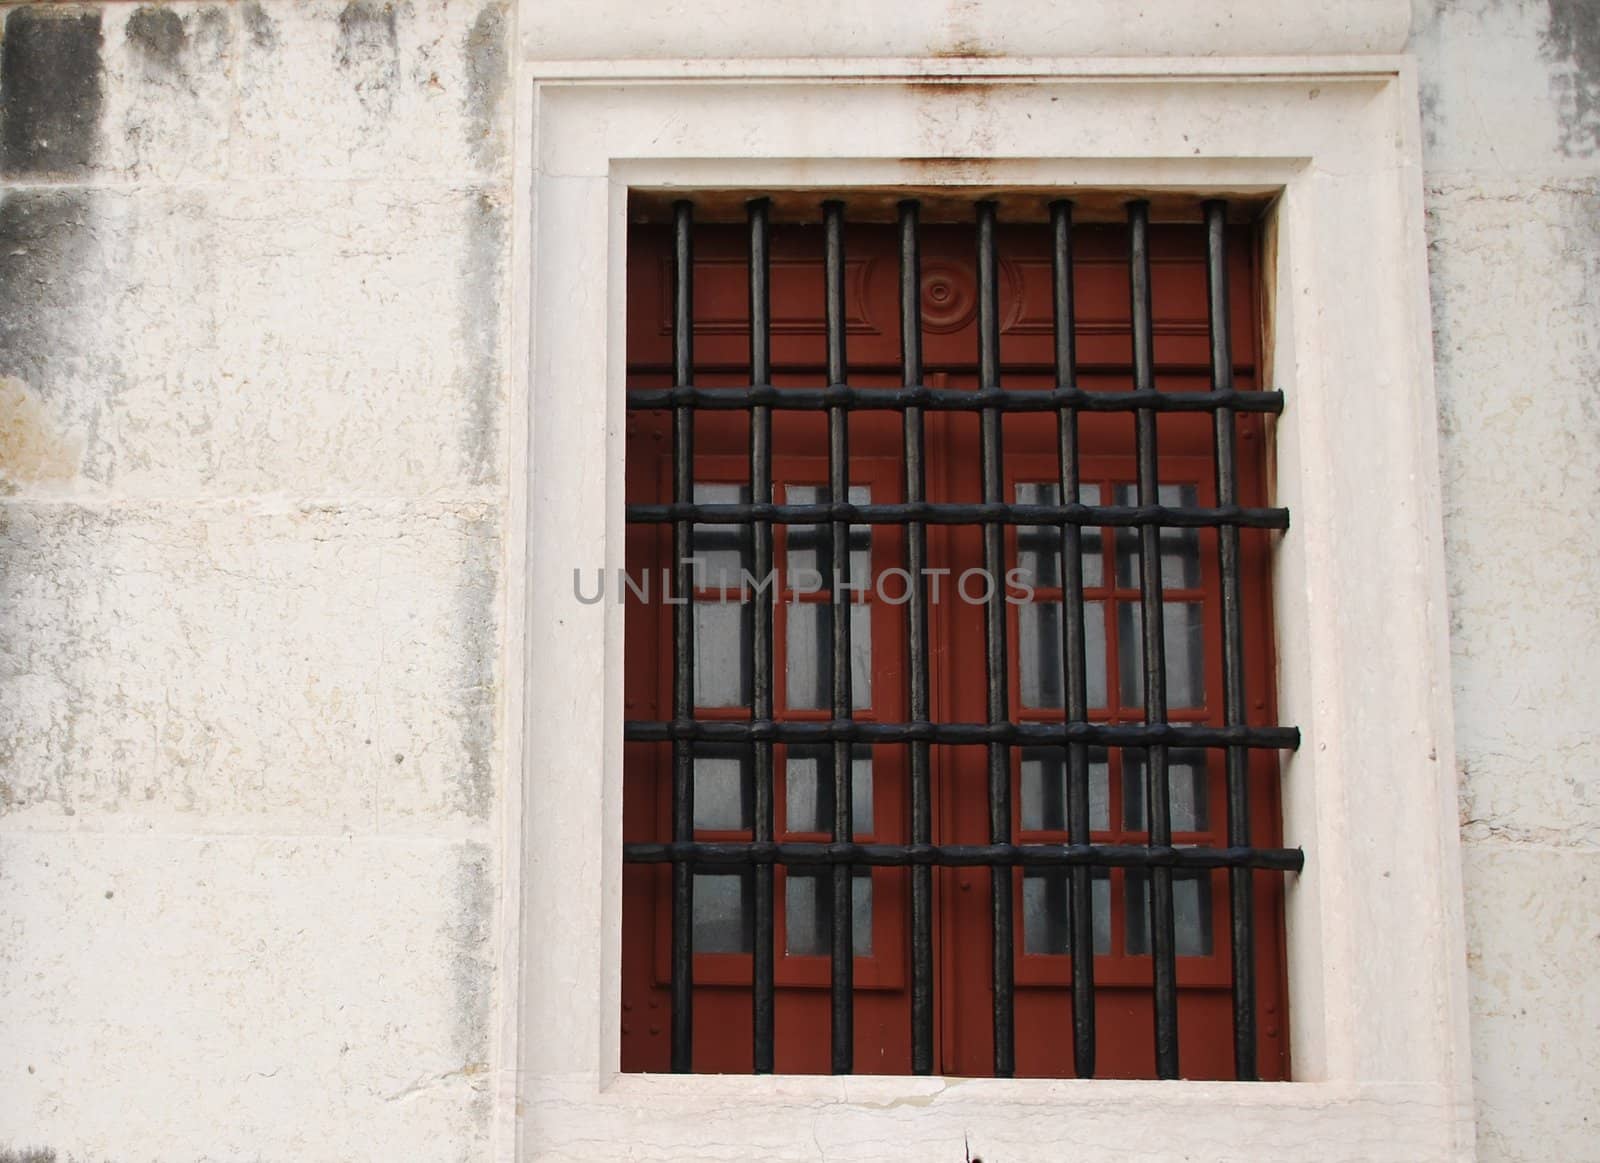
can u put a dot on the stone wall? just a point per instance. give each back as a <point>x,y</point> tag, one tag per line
<point>253,262</point>
<point>1511,103</point>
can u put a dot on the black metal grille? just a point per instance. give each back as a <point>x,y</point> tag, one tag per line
<point>999,733</point>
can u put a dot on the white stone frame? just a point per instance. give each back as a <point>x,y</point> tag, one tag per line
<point>1376,961</point>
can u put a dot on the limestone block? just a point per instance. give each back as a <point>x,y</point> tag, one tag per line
<point>1533,929</point>
<point>373,87</point>
<point>1514,267</point>
<point>320,339</point>
<point>244,997</point>
<point>302,667</point>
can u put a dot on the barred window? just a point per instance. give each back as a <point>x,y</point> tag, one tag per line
<point>950,742</point>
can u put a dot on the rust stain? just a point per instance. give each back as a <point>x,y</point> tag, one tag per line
<point>32,448</point>
<point>967,48</point>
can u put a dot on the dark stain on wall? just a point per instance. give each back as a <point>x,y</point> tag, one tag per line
<point>468,930</point>
<point>157,34</point>
<point>1572,40</point>
<point>486,83</point>
<point>488,238</point>
<point>27,1155</point>
<point>50,91</point>
<point>368,50</point>
<point>263,30</point>
<point>45,241</point>
<point>472,697</point>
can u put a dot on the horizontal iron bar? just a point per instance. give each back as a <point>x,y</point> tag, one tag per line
<point>1043,734</point>
<point>982,513</point>
<point>946,399</point>
<point>795,853</point>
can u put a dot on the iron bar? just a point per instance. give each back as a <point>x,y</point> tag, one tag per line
<point>917,645</point>
<point>842,944</point>
<point>1185,735</point>
<point>1158,801</point>
<point>1080,909</point>
<point>682,973</point>
<point>1241,903</point>
<point>914,395</point>
<point>762,732</point>
<point>994,637</point>
<point>986,513</point>
<point>802,853</point>
<point>762,991</point>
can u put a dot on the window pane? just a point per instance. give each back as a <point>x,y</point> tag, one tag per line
<point>1180,548</point>
<point>808,789</point>
<point>721,552</point>
<point>1186,778</point>
<point>808,544</point>
<point>1039,546</point>
<point>723,791</point>
<point>1039,668</point>
<point>809,654</point>
<point>808,913</point>
<point>1185,643</point>
<point>1191,912</point>
<point>1044,789</point>
<point>721,654</point>
<point>724,913</point>
<point>1047,910</point>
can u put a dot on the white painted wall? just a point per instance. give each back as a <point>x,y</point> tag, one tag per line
<point>253,474</point>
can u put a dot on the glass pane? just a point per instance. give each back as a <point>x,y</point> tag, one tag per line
<point>723,792</point>
<point>808,544</point>
<point>808,789</point>
<point>1039,546</point>
<point>1180,548</point>
<point>721,552</point>
<point>809,655</point>
<point>1044,789</point>
<point>1191,912</point>
<point>1039,667</point>
<point>1185,643</point>
<point>1047,910</point>
<point>808,913</point>
<point>1186,779</point>
<point>724,913</point>
<point>721,654</point>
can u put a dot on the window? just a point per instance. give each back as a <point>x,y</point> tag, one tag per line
<point>1373,925</point>
<point>1012,834</point>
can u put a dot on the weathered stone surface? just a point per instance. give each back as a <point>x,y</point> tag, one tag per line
<point>373,87</point>
<point>301,667</point>
<point>169,90</point>
<point>212,341</point>
<point>51,91</point>
<point>253,373</point>
<point>1533,930</point>
<point>1509,88</point>
<point>175,996</point>
<point>1515,268</point>
<point>1514,256</point>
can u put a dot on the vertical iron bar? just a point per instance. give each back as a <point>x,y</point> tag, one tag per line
<point>843,945</point>
<point>917,644</point>
<point>1240,888</point>
<point>761,628</point>
<point>994,626</point>
<point>683,639</point>
<point>1080,911</point>
<point>1158,801</point>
